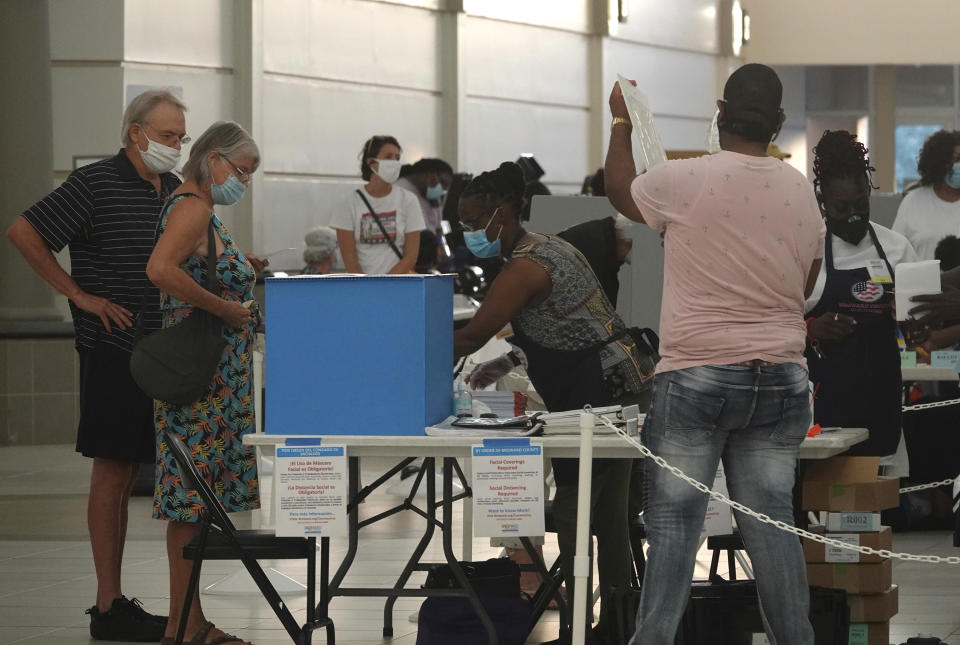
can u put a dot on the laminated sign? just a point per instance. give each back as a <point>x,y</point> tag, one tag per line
<point>507,488</point>
<point>310,490</point>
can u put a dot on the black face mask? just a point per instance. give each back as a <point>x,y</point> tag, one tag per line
<point>850,230</point>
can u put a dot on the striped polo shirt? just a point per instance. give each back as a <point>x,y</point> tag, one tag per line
<point>108,216</point>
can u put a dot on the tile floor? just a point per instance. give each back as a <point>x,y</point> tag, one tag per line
<point>46,575</point>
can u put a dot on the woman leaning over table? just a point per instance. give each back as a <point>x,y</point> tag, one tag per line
<point>217,173</point>
<point>578,349</point>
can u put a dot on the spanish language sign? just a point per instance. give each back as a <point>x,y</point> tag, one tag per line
<point>507,488</point>
<point>310,491</point>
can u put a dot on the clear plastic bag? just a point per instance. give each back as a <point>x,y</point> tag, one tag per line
<point>713,136</point>
<point>650,150</point>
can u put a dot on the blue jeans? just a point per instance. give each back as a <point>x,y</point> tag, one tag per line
<point>753,418</point>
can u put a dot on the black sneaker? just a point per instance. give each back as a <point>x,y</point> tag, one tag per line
<point>126,620</point>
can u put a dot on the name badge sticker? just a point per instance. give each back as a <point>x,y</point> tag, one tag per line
<point>878,272</point>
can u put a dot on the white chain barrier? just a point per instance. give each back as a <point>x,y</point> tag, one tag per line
<point>945,482</point>
<point>927,406</point>
<point>766,519</point>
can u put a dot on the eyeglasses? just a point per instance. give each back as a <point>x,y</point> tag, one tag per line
<point>167,138</point>
<point>470,228</point>
<point>242,175</point>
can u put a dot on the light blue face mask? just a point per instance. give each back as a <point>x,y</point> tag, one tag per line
<point>229,192</point>
<point>953,177</point>
<point>478,243</point>
<point>435,192</point>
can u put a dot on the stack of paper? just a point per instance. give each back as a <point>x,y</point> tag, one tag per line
<point>568,422</point>
<point>502,404</point>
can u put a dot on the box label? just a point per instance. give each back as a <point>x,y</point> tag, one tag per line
<point>838,554</point>
<point>508,488</point>
<point>855,521</point>
<point>945,358</point>
<point>859,634</point>
<point>310,491</point>
<point>907,359</point>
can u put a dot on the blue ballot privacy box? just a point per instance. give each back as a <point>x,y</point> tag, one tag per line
<point>358,355</point>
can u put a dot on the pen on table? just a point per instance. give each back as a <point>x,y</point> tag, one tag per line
<point>831,429</point>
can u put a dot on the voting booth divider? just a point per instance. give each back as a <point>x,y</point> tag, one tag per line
<point>358,355</point>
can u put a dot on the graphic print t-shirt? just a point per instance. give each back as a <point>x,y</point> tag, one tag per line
<point>399,212</point>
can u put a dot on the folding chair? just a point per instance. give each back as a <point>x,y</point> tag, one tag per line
<point>220,540</point>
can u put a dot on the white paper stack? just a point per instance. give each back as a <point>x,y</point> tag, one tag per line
<point>502,404</point>
<point>915,279</point>
<point>568,422</point>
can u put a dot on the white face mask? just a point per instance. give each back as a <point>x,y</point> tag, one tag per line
<point>388,170</point>
<point>158,157</point>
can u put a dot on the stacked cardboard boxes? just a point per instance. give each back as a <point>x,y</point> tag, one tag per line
<point>849,495</point>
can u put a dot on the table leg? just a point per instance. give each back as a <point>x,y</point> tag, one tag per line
<point>455,568</point>
<point>428,472</point>
<point>353,513</point>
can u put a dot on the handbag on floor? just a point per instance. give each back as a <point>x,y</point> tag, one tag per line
<point>452,620</point>
<point>176,364</point>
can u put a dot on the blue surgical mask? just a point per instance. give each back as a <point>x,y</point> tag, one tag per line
<point>435,192</point>
<point>953,177</point>
<point>478,243</point>
<point>229,192</point>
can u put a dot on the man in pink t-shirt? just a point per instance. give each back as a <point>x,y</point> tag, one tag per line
<point>743,238</point>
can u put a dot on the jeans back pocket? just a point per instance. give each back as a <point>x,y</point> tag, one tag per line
<point>691,416</point>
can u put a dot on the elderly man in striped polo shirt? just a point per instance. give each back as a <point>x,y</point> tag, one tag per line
<point>107,214</point>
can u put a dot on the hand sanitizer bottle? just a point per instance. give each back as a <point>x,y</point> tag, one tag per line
<point>462,400</point>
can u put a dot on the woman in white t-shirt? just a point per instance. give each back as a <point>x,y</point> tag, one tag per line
<point>378,228</point>
<point>931,212</point>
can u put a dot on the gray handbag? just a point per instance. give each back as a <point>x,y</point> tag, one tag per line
<point>176,364</point>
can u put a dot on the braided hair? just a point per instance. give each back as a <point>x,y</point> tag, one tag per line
<point>839,155</point>
<point>505,184</point>
<point>936,156</point>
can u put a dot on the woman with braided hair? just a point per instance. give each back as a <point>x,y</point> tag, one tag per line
<point>578,351</point>
<point>852,348</point>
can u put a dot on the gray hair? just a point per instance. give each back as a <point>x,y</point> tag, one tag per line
<point>139,109</point>
<point>321,243</point>
<point>621,224</point>
<point>227,139</point>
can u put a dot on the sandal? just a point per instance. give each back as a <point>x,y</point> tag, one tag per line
<point>200,637</point>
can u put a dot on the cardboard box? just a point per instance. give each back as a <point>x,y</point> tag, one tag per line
<point>874,608</point>
<point>852,578</point>
<point>358,355</point>
<point>853,521</point>
<point>848,484</point>
<point>817,552</point>
<point>869,634</point>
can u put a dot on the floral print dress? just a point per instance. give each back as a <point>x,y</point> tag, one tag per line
<point>212,429</point>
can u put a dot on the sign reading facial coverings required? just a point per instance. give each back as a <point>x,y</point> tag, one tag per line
<point>310,491</point>
<point>507,488</point>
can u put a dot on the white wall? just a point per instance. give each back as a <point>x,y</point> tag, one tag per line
<point>335,73</point>
<point>527,91</point>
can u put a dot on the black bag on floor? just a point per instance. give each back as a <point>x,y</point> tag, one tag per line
<point>728,613</point>
<point>452,621</point>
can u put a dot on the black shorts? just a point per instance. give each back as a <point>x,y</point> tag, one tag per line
<point>116,417</point>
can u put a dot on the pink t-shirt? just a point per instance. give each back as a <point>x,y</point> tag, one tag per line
<point>741,234</point>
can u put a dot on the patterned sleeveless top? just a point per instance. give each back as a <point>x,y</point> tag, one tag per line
<point>577,314</point>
